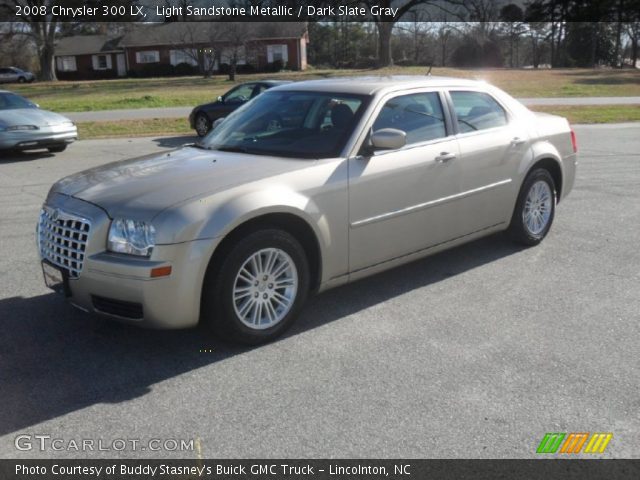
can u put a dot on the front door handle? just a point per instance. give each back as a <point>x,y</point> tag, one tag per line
<point>445,157</point>
<point>517,141</point>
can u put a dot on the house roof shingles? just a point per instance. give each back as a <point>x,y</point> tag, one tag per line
<point>203,32</point>
<point>172,34</point>
<point>87,44</point>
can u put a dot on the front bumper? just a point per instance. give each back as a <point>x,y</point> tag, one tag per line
<point>121,287</point>
<point>34,139</point>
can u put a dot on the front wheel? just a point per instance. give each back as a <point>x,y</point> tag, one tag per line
<point>535,208</point>
<point>203,124</point>
<point>255,294</point>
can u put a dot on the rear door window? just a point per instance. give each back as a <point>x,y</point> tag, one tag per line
<point>477,111</point>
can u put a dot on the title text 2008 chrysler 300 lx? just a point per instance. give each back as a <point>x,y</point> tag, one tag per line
<point>306,187</point>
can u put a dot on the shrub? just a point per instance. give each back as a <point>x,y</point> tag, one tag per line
<point>185,69</point>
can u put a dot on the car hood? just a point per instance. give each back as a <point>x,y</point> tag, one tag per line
<point>208,106</point>
<point>142,187</point>
<point>30,116</point>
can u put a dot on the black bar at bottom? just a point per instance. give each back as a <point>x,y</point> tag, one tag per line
<point>365,469</point>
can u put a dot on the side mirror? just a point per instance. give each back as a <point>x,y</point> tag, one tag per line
<point>220,99</point>
<point>388,139</point>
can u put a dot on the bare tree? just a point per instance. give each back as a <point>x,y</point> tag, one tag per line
<point>385,23</point>
<point>537,33</point>
<point>417,29</point>
<point>444,33</point>
<point>200,42</point>
<point>633,31</point>
<point>237,44</point>
<point>513,27</point>
<point>43,28</point>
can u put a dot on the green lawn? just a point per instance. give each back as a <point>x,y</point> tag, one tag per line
<point>595,114</point>
<point>190,91</point>
<point>134,128</point>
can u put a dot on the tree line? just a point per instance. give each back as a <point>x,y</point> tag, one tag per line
<point>473,44</point>
<point>461,33</point>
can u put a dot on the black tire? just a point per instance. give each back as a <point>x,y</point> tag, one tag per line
<point>218,309</point>
<point>518,229</point>
<point>57,149</point>
<point>202,124</point>
<point>22,80</point>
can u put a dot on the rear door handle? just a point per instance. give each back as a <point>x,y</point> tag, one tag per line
<point>517,141</point>
<point>445,157</point>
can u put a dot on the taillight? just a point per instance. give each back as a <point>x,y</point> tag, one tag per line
<point>574,141</point>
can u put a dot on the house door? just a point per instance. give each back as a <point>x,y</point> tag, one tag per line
<point>122,67</point>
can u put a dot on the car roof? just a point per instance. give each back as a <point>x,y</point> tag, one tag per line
<point>274,82</point>
<point>369,85</point>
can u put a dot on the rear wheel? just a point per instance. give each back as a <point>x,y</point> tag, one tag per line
<point>535,208</point>
<point>57,149</point>
<point>22,80</point>
<point>203,124</point>
<point>256,292</point>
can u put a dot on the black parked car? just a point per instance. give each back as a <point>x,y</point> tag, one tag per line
<point>203,116</point>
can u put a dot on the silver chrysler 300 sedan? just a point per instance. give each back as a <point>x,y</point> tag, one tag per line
<point>306,187</point>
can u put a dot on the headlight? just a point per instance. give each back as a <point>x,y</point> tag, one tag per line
<point>132,237</point>
<point>21,127</point>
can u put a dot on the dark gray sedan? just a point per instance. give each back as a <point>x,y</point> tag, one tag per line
<point>24,126</point>
<point>204,117</point>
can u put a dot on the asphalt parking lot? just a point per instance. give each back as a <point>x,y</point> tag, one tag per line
<point>473,353</point>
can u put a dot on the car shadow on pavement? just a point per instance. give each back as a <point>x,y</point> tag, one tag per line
<point>175,142</point>
<point>55,359</point>
<point>11,156</point>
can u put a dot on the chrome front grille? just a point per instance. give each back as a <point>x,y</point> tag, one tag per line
<point>62,239</point>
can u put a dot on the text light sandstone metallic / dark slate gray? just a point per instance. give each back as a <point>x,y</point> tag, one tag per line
<point>306,187</point>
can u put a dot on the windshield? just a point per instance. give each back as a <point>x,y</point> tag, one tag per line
<point>9,101</point>
<point>290,124</point>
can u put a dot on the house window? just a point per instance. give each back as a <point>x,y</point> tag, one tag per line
<point>189,57</point>
<point>148,56</point>
<point>101,62</point>
<point>277,53</point>
<point>227,54</point>
<point>66,64</point>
